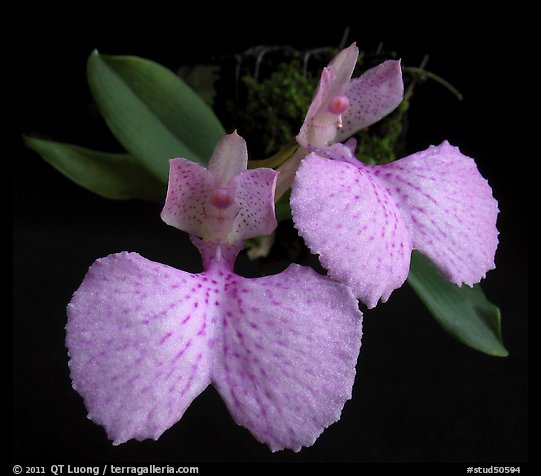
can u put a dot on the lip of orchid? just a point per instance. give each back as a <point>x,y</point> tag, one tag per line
<point>434,201</point>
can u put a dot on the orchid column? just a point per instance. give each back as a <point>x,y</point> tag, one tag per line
<point>145,339</point>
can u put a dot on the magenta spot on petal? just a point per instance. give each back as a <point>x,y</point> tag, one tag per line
<point>165,337</point>
<point>186,319</point>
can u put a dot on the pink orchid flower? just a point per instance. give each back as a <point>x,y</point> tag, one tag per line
<point>146,339</point>
<point>363,220</point>
<point>342,106</point>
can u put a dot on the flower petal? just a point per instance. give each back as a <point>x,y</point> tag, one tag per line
<point>230,157</point>
<point>351,221</point>
<point>225,203</point>
<point>334,81</point>
<point>188,193</point>
<point>343,64</point>
<point>448,207</point>
<point>321,97</point>
<point>137,336</point>
<point>285,362</point>
<point>254,196</point>
<point>371,96</point>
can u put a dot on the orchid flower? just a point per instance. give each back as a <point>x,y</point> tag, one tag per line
<point>146,339</point>
<point>364,220</point>
<point>342,106</point>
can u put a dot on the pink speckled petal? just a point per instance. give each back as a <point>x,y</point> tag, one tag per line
<point>224,204</point>
<point>449,208</point>
<point>137,336</point>
<point>230,157</point>
<point>321,97</point>
<point>372,96</point>
<point>351,221</point>
<point>188,193</point>
<point>285,361</point>
<point>254,196</point>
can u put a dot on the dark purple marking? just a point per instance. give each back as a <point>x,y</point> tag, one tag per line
<point>186,319</point>
<point>165,337</point>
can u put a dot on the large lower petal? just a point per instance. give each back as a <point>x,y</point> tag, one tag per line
<point>351,221</point>
<point>449,209</point>
<point>137,336</point>
<point>284,361</point>
<point>371,96</point>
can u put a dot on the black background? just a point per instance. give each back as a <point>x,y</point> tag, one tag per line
<point>419,395</point>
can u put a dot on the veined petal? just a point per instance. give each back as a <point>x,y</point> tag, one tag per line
<point>285,360</point>
<point>371,96</point>
<point>230,157</point>
<point>448,207</point>
<point>254,196</point>
<point>137,336</point>
<point>188,194</point>
<point>351,221</point>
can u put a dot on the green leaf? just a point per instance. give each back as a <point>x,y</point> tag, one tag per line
<point>152,112</point>
<point>463,312</point>
<point>283,208</point>
<point>117,176</point>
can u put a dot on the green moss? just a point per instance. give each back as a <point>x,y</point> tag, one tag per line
<point>272,110</point>
<point>379,143</point>
<point>275,107</point>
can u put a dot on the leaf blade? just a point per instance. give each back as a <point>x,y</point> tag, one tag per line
<point>114,176</point>
<point>152,112</point>
<point>463,312</point>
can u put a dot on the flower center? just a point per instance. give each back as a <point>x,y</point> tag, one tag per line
<point>338,105</point>
<point>221,198</point>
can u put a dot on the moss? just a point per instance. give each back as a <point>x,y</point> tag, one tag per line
<point>275,107</point>
<point>269,111</point>
<point>379,143</point>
